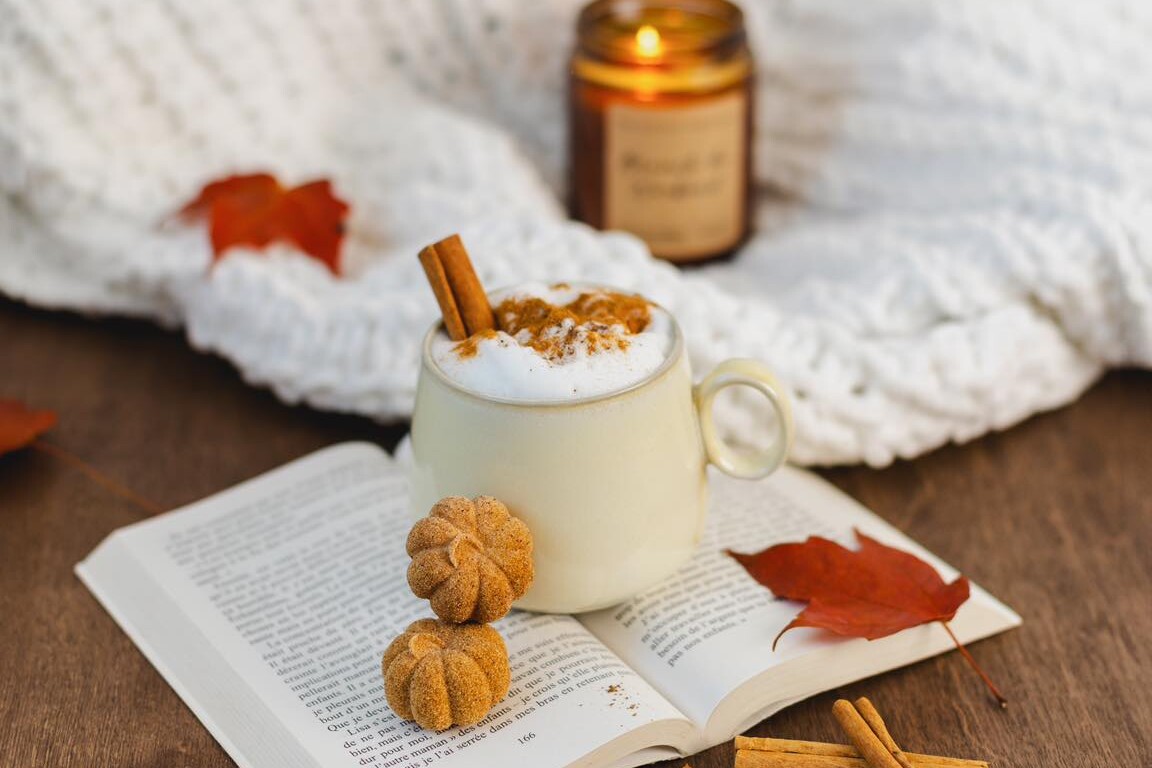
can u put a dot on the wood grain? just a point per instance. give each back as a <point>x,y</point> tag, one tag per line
<point>1053,516</point>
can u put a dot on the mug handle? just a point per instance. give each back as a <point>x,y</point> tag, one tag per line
<point>749,373</point>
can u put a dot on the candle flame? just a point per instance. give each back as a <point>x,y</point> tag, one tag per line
<point>648,41</point>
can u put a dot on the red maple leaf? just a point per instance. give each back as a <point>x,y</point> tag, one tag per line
<point>20,425</point>
<point>256,210</point>
<point>871,592</point>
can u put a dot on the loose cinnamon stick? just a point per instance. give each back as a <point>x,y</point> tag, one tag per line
<point>747,758</point>
<point>458,290</point>
<point>767,744</point>
<point>876,723</point>
<point>804,754</point>
<point>862,736</point>
<point>754,758</point>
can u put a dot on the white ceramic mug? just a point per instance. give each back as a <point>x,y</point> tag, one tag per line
<point>613,487</point>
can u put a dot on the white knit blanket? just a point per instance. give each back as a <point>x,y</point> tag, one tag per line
<point>954,226</point>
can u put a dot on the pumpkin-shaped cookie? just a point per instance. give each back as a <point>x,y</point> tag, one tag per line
<point>470,558</point>
<point>442,674</point>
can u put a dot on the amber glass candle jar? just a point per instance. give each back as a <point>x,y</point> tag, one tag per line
<point>660,109</point>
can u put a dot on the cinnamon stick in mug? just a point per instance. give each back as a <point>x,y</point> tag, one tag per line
<point>458,290</point>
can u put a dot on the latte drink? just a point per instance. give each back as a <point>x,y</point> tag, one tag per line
<point>581,416</point>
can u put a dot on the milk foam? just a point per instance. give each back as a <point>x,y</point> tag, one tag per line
<point>504,368</point>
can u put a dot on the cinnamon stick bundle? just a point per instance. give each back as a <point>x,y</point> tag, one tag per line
<point>872,746</point>
<point>786,753</point>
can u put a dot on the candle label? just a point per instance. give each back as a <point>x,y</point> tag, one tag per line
<point>674,175</point>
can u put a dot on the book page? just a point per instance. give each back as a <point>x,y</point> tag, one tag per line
<point>708,630</point>
<point>298,580</point>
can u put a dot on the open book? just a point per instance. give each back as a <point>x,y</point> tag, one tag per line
<point>267,608</point>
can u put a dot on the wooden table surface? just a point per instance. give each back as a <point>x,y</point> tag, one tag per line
<point>1053,516</point>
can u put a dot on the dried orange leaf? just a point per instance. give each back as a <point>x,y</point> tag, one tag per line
<point>256,210</point>
<point>20,425</point>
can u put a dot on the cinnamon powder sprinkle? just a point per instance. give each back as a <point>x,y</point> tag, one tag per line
<point>594,321</point>
<point>471,345</point>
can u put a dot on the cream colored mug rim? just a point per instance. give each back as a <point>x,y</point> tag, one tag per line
<point>670,361</point>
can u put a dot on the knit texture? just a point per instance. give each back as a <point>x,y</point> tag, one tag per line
<point>953,220</point>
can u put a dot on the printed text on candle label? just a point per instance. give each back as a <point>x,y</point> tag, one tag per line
<point>674,175</point>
